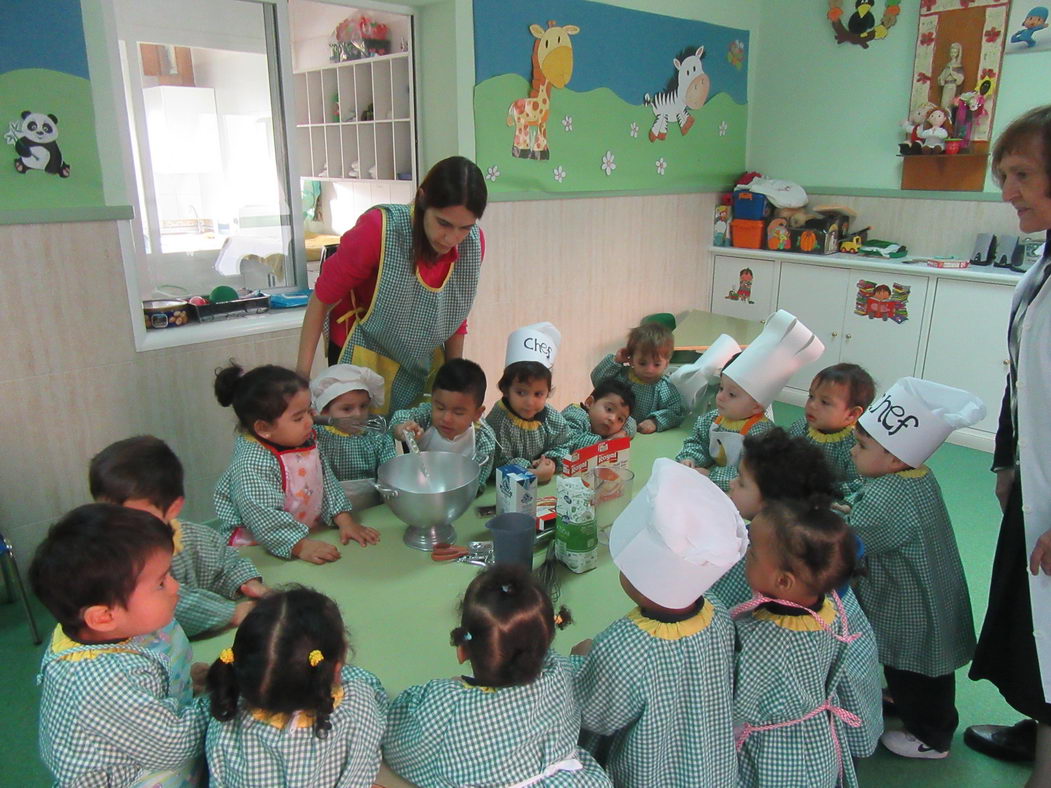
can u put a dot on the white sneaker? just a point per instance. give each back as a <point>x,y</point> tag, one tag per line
<point>906,745</point>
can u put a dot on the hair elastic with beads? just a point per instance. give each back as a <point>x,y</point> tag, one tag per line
<point>315,658</point>
<point>467,636</point>
<point>226,656</point>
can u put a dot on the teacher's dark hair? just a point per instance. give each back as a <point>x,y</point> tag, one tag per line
<point>452,181</point>
<point>1035,124</point>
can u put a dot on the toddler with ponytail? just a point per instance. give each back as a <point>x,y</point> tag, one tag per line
<point>515,720</point>
<point>286,708</point>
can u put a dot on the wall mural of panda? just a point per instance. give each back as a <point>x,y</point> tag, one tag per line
<point>34,137</point>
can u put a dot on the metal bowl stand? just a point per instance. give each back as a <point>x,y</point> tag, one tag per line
<point>420,538</point>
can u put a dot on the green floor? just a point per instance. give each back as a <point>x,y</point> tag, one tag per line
<point>408,594</point>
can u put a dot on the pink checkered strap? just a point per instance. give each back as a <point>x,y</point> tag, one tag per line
<point>761,599</point>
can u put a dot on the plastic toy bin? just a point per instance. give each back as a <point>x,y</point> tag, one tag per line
<point>747,233</point>
<point>748,205</point>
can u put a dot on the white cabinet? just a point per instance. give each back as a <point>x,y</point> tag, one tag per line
<point>967,345</point>
<point>859,321</point>
<point>355,120</point>
<point>744,287</point>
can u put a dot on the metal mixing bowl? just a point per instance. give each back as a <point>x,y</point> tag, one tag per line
<point>427,491</point>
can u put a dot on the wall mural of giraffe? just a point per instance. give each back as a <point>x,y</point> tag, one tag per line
<point>552,67</point>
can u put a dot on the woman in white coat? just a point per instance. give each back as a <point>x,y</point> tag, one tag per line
<point>1014,650</point>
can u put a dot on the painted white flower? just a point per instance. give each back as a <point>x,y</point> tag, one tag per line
<point>560,174</point>
<point>662,165</point>
<point>608,164</point>
<point>633,130</point>
<point>492,173</point>
<point>723,127</point>
<point>567,122</point>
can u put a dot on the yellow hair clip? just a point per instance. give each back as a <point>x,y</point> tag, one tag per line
<point>226,656</point>
<point>315,658</point>
<point>558,620</point>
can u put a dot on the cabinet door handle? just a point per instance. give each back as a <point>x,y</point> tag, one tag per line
<point>835,334</point>
<point>849,336</point>
<point>1007,362</point>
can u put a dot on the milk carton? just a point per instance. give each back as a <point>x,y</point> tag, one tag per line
<point>515,490</point>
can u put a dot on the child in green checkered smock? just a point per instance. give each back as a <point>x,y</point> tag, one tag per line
<point>286,708</point>
<point>353,448</point>
<point>604,415</point>
<point>642,364</point>
<point>116,705</point>
<point>793,697</point>
<point>659,682</point>
<point>838,396</point>
<point>515,721</point>
<point>278,488</point>
<point>143,473</point>
<point>452,419</point>
<point>714,445</point>
<point>528,431</point>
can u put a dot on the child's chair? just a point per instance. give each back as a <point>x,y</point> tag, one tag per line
<point>13,579</point>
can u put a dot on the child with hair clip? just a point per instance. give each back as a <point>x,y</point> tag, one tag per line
<point>748,385</point>
<point>286,708</point>
<point>344,391</point>
<point>793,702</point>
<point>116,705</point>
<point>514,721</point>
<point>278,488</point>
<point>452,419</point>
<point>144,473</point>
<point>604,415</point>
<point>642,364</point>
<point>659,682</point>
<point>838,396</point>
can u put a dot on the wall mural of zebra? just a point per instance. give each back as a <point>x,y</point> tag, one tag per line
<point>687,89</point>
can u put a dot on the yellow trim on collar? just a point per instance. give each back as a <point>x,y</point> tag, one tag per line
<point>337,432</point>
<point>303,719</point>
<point>675,630</point>
<point>801,623</point>
<point>829,437</point>
<point>738,425</point>
<point>518,421</point>
<point>176,527</point>
<point>469,685</point>
<point>60,642</point>
<point>914,473</point>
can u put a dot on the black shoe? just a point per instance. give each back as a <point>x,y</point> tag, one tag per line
<point>1006,742</point>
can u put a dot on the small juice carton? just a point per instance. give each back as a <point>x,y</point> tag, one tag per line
<point>515,490</point>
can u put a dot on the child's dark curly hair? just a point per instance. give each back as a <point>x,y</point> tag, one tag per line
<point>616,386</point>
<point>861,389</point>
<point>785,467</point>
<point>272,667</point>
<point>507,624</point>
<point>261,394</point>
<point>814,542</point>
<point>523,372</point>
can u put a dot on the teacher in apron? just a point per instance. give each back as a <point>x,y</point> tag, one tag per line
<point>1014,650</point>
<point>397,292</point>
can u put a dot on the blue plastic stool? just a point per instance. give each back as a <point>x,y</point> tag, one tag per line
<point>13,579</point>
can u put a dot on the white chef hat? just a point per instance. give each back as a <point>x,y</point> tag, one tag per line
<point>536,342</point>
<point>764,367</point>
<point>915,417</point>
<point>341,378</point>
<point>678,536</point>
<point>692,379</point>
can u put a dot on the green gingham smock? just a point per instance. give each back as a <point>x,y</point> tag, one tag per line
<point>408,322</point>
<point>210,575</point>
<point>484,438</point>
<point>786,666</point>
<point>664,691</point>
<point>448,734</point>
<point>258,750</point>
<point>915,593</point>
<point>861,685</point>
<point>520,441</point>
<point>251,493</point>
<point>354,456</point>
<point>659,401</point>
<point>695,447</point>
<point>579,423</point>
<point>836,447</point>
<point>114,713</point>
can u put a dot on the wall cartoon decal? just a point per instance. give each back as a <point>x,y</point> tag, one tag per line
<point>882,302</point>
<point>33,136</point>
<point>721,231</point>
<point>687,89</point>
<point>744,287</point>
<point>552,68</point>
